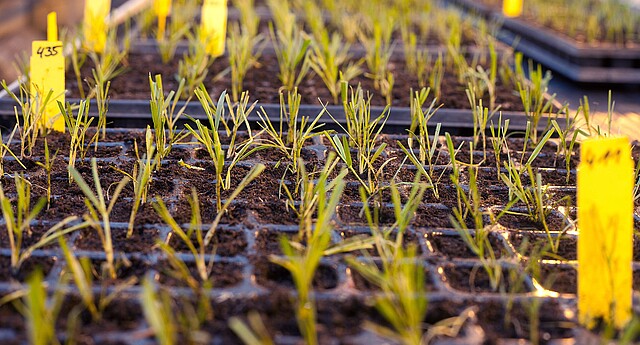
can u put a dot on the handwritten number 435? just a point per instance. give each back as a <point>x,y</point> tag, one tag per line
<point>48,51</point>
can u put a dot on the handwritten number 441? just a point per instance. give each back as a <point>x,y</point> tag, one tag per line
<point>48,51</point>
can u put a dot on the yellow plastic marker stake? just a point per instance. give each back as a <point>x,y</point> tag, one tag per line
<point>47,76</point>
<point>162,9</point>
<point>214,26</point>
<point>512,8</point>
<point>94,27</point>
<point>605,223</point>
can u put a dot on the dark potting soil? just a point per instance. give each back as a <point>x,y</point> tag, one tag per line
<point>567,247</point>
<point>504,320</point>
<point>453,246</point>
<point>561,279</point>
<point>476,279</point>
<point>222,275</point>
<point>7,273</point>
<point>142,240</point>
<point>269,274</point>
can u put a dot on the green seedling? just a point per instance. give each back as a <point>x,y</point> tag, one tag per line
<point>18,220</point>
<point>165,114</point>
<point>141,177</point>
<point>5,147</point>
<point>293,130</point>
<point>47,165</point>
<point>499,142</point>
<point>327,58</point>
<point>82,277</point>
<point>99,210</point>
<point>534,100</point>
<point>255,333</point>
<point>29,115</point>
<point>77,127</point>
<point>194,65</point>
<point>209,137</point>
<point>302,261</point>
<point>419,136</point>
<point>249,18</point>
<point>244,52</point>
<point>362,133</point>
<point>308,196</point>
<point>41,312</point>
<point>158,313</point>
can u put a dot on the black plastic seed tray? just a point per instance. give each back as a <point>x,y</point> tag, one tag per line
<point>603,63</point>
<point>244,279</point>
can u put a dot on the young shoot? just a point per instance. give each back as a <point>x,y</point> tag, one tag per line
<point>165,115</point>
<point>362,132</point>
<point>290,44</point>
<point>47,165</point>
<point>30,116</point>
<point>99,210</point>
<point>77,127</point>
<point>419,134</point>
<point>293,130</point>
<point>533,96</point>
<point>158,313</point>
<point>141,177</point>
<point>81,274</point>
<point>327,58</point>
<point>209,137</point>
<point>302,261</point>
<point>194,65</point>
<point>18,218</point>
<point>244,52</point>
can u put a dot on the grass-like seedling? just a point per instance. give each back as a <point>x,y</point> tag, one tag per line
<point>47,165</point>
<point>141,177</point>
<point>378,53</point>
<point>533,96</point>
<point>29,117</point>
<point>244,52</point>
<point>499,142</point>
<point>168,44</point>
<point>292,131</point>
<point>249,19</point>
<point>5,147</point>
<point>81,274</point>
<point>481,117</point>
<point>302,261</point>
<point>165,114</point>
<point>194,65</point>
<point>362,132</point>
<point>419,136</point>
<point>18,220</point>
<point>327,60</point>
<point>101,91</point>
<point>255,333</point>
<point>308,195</point>
<point>290,44</point>
<point>158,313</point>
<point>197,248</point>
<point>209,137</point>
<point>77,127</point>
<point>99,210</point>
<point>41,312</point>
<point>401,279</point>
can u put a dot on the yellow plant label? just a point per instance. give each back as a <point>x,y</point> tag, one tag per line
<point>213,26</point>
<point>94,26</point>
<point>162,9</point>
<point>605,224</point>
<point>47,77</point>
<point>512,8</point>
